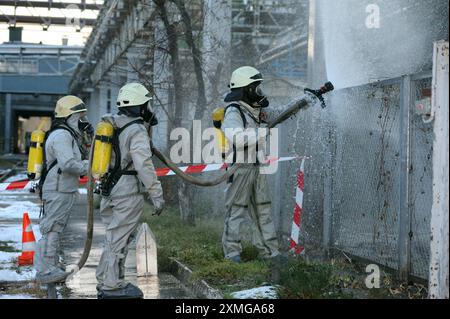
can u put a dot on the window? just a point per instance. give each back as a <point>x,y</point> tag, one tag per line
<point>19,66</point>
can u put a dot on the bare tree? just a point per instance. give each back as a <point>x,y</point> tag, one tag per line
<point>184,83</point>
<point>196,57</point>
<point>173,36</point>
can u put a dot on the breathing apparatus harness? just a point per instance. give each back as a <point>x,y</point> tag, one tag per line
<point>45,169</point>
<point>218,121</point>
<point>57,125</point>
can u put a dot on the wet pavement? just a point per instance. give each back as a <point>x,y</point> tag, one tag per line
<point>83,284</point>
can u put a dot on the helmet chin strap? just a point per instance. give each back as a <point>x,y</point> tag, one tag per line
<point>263,103</point>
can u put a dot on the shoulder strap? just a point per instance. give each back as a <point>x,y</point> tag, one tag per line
<point>238,107</point>
<point>70,130</point>
<point>45,168</point>
<point>116,146</point>
<point>120,130</point>
<point>66,128</point>
<point>116,172</point>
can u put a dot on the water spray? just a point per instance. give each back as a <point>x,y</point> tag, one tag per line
<point>309,98</point>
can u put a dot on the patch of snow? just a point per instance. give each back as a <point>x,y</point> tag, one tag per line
<point>25,273</point>
<point>265,292</point>
<point>15,209</point>
<point>8,260</point>
<point>7,257</point>
<point>16,193</point>
<point>18,296</point>
<point>13,233</point>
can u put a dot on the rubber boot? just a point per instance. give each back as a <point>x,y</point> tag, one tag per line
<point>130,291</point>
<point>55,276</point>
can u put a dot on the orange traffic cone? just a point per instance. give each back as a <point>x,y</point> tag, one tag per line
<point>28,242</point>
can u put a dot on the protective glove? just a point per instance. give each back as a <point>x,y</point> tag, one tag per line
<point>158,204</point>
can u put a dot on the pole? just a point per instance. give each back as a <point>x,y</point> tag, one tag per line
<point>404,240</point>
<point>8,120</point>
<point>438,279</point>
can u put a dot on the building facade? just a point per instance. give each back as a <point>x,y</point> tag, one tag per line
<point>32,78</point>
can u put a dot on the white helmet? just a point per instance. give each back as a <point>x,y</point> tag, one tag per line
<point>133,94</point>
<point>244,76</point>
<point>69,105</point>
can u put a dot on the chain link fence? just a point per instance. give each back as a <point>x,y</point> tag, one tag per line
<point>365,172</point>
<point>421,181</point>
<point>354,178</point>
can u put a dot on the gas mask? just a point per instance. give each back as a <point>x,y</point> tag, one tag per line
<point>256,96</point>
<point>80,123</point>
<point>148,115</point>
<point>145,111</point>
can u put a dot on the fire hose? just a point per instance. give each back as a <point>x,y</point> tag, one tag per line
<point>309,98</point>
<point>90,214</point>
<point>291,110</point>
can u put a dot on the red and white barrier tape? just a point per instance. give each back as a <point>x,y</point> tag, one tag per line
<point>16,185</point>
<point>191,169</point>
<point>294,245</point>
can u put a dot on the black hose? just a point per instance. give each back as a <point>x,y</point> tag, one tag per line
<point>90,213</point>
<point>193,180</point>
<point>290,111</point>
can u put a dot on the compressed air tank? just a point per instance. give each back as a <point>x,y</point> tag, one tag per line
<point>102,149</point>
<point>218,116</point>
<point>36,154</point>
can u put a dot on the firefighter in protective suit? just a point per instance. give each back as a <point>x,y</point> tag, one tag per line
<point>64,164</point>
<point>247,190</point>
<point>123,195</point>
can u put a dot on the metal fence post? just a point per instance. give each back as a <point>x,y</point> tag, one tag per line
<point>280,180</point>
<point>328,193</point>
<point>8,120</point>
<point>404,238</point>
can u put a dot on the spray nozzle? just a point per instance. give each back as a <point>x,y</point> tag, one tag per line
<point>327,87</point>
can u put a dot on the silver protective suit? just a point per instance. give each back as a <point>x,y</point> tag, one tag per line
<point>247,192</point>
<point>59,193</point>
<point>120,212</point>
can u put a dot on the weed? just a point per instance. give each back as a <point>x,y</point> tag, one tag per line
<point>5,247</point>
<point>200,248</point>
<point>305,280</point>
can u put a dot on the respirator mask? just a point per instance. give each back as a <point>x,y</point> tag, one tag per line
<point>84,126</point>
<point>148,115</point>
<point>256,96</point>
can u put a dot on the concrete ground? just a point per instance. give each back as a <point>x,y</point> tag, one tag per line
<point>83,284</point>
